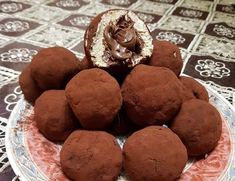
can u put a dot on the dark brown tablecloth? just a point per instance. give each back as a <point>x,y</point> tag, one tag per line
<point>204,31</point>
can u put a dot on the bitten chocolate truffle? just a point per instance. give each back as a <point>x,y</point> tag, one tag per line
<point>154,153</point>
<point>166,54</point>
<point>53,67</point>
<point>199,126</point>
<point>53,116</point>
<point>117,40</point>
<point>151,95</point>
<point>95,98</point>
<point>91,155</point>
<point>28,86</point>
<point>193,89</point>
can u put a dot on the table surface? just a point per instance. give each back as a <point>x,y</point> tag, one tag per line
<point>204,31</point>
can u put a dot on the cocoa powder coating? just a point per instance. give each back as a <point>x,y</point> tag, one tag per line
<point>199,126</point>
<point>91,155</point>
<point>95,98</point>
<point>53,116</point>
<point>151,95</point>
<point>166,54</point>
<point>53,67</point>
<point>193,89</point>
<point>28,86</point>
<point>154,153</point>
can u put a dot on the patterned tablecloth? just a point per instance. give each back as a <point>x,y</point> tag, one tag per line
<point>204,31</point>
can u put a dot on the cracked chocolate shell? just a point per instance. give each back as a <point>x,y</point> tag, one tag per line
<point>117,40</point>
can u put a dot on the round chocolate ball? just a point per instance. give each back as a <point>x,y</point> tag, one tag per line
<point>28,86</point>
<point>193,89</point>
<point>117,40</point>
<point>53,116</point>
<point>95,98</point>
<point>199,126</point>
<point>166,54</point>
<point>151,95</point>
<point>154,153</point>
<point>91,155</point>
<point>53,67</point>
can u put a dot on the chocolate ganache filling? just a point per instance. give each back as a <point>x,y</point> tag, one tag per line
<point>121,40</point>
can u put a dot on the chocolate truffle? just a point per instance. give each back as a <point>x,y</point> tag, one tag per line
<point>151,95</point>
<point>166,54</point>
<point>199,126</point>
<point>117,40</point>
<point>53,67</point>
<point>154,153</point>
<point>91,155</point>
<point>53,116</point>
<point>95,98</point>
<point>193,89</point>
<point>28,86</point>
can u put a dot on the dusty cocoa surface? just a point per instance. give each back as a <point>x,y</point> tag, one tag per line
<point>194,89</point>
<point>199,126</point>
<point>151,95</point>
<point>53,67</point>
<point>91,155</point>
<point>53,116</point>
<point>166,54</point>
<point>154,153</point>
<point>28,86</point>
<point>95,98</point>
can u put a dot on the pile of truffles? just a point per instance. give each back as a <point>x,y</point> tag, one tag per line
<point>128,84</point>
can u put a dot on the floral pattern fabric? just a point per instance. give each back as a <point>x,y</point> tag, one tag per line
<point>204,31</point>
